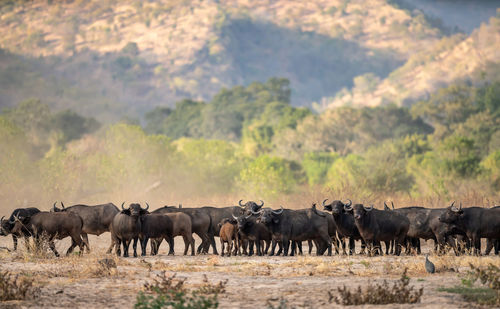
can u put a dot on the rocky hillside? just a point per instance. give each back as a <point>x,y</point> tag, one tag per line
<point>112,58</point>
<point>473,59</point>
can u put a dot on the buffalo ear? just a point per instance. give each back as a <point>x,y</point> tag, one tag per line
<point>126,212</point>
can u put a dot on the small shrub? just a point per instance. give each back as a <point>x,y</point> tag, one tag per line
<point>170,292</point>
<point>399,293</point>
<point>489,295</point>
<point>15,287</point>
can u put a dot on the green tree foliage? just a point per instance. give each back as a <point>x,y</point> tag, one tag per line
<point>268,176</point>
<point>316,165</point>
<point>491,164</point>
<point>210,166</point>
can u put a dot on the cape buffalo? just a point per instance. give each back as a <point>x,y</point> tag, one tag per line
<point>378,225</point>
<point>344,221</point>
<point>96,219</point>
<point>126,226</point>
<point>6,226</point>
<point>296,225</point>
<point>166,226</point>
<point>228,233</point>
<point>255,231</point>
<point>475,222</point>
<point>200,222</point>
<point>49,226</point>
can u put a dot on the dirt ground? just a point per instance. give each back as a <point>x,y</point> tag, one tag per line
<point>252,282</point>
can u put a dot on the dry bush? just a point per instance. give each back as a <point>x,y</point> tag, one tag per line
<point>209,288</point>
<point>16,287</point>
<point>399,293</point>
<point>166,284</point>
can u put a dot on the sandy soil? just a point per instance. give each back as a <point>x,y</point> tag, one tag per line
<point>253,282</point>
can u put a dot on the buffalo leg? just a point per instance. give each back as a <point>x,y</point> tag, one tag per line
<point>286,246</point>
<point>14,240</point>
<point>352,246</point>
<point>135,246</point>
<point>118,244</point>
<point>144,243</point>
<point>126,244</point>
<point>171,245</point>
<point>110,249</point>
<point>85,238</point>
<point>52,247</point>
<point>186,243</point>
<point>273,247</point>
<point>229,247</point>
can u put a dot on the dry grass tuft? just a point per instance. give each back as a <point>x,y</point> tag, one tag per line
<point>16,287</point>
<point>400,293</point>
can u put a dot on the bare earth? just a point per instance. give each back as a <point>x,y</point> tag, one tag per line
<point>253,282</point>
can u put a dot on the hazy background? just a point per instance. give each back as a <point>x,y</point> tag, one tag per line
<point>209,102</point>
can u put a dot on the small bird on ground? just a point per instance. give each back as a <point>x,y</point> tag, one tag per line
<point>429,266</point>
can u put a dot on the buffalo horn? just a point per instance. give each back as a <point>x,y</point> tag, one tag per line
<point>278,212</point>
<point>392,205</point>
<point>256,212</point>
<point>385,205</point>
<point>62,205</point>
<point>122,206</point>
<point>324,202</point>
<point>368,208</point>
<point>261,203</point>
<point>241,204</point>
<point>234,216</point>
<point>54,206</point>
<point>350,203</point>
<point>347,207</point>
<point>147,206</point>
<point>1,220</point>
<point>248,217</point>
<point>460,208</point>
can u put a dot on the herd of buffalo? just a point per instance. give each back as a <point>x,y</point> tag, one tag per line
<point>251,228</point>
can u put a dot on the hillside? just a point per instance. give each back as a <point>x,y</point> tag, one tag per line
<point>112,59</point>
<point>459,58</point>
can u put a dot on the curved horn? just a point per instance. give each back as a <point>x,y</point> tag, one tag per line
<point>54,206</point>
<point>256,212</point>
<point>348,207</point>
<point>452,204</point>
<point>1,220</point>
<point>392,205</point>
<point>368,208</point>
<point>324,202</point>
<point>62,205</point>
<point>385,206</point>
<point>248,217</point>
<point>261,203</point>
<point>239,203</point>
<point>350,203</point>
<point>234,216</point>
<point>147,206</point>
<point>278,212</point>
<point>122,206</point>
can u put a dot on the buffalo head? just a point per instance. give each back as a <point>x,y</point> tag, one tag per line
<point>243,221</point>
<point>5,227</point>
<point>336,207</point>
<point>135,210</point>
<point>452,214</point>
<point>268,216</point>
<point>360,211</point>
<point>55,209</point>
<point>251,206</point>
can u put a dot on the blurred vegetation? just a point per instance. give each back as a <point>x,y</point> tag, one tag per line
<point>250,140</point>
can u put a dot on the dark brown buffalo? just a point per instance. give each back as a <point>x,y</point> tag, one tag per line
<point>6,226</point>
<point>96,219</point>
<point>172,225</point>
<point>296,225</point>
<point>228,233</point>
<point>126,226</point>
<point>475,222</point>
<point>378,225</point>
<point>200,222</point>
<point>47,226</point>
